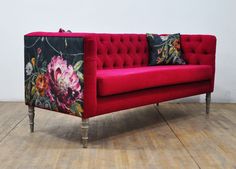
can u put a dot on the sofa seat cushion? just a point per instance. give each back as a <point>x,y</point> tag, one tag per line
<point>117,81</point>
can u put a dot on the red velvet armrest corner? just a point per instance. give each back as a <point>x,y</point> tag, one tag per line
<point>90,84</point>
<point>200,50</point>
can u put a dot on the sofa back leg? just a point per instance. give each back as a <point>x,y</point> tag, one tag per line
<point>84,132</point>
<point>208,102</point>
<point>31,115</point>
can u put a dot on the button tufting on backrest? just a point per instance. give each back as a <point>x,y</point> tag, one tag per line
<point>196,48</point>
<point>104,65</point>
<point>128,50</point>
<point>199,39</point>
<point>108,52</point>
<point>112,40</point>
<point>139,39</point>
<point>121,50</point>
<point>131,39</point>
<point>204,52</point>
<point>131,50</point>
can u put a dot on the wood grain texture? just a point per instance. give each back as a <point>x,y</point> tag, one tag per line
<point>10,116</point>
<point>211,142</point>
<point>170,136</point>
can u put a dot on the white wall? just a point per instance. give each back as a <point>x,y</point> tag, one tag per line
<point>166,16</point>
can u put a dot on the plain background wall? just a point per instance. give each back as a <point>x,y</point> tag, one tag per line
<point>123,16</point>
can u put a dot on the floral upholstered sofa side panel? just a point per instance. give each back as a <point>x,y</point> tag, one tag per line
<point>88,74</point>
<point>54,73</point>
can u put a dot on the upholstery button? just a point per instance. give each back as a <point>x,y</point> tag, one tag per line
<point>121,39</point>
<point>187,39</point>
<point>193,51</point>
<point>205,52</point>
<point>128,51</point>
<point>112,40</point>
<point>118,51</point>
<point>199,40</point>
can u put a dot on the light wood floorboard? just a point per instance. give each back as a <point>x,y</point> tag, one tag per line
<point>210,141</point>
<point>10,116</point>
<point>170,136</point>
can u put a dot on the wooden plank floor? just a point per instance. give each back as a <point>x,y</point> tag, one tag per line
<point>170,136</point>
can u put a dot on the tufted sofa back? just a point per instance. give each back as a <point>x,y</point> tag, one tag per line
<point>199,49</point>
<point>121,50</point>
<point>131,50</point>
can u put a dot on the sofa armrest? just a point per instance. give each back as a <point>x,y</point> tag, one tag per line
<point>200,50</point>
<point>90,84</point>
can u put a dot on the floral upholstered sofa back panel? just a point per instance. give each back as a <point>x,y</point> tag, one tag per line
<point>61,68</point>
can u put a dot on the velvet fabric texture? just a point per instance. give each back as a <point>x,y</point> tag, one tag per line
<point>117,81</point>
<point>124,59</point>
<point>149,96</point>
<point>165,49</point>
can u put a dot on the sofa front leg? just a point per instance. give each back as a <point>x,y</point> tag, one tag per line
<point>208,102</point>
<point>84,132</point>
<point>31,115</point>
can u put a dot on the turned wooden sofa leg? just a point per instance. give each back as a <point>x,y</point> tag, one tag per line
<point>84,132</point>
<point>157,104</point>
<point>31,115</point>
<point>208,102</point>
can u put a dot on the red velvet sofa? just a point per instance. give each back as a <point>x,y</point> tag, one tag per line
<point>117,75</point>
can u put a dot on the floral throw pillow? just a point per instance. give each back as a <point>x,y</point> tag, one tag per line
<point>165,50</point>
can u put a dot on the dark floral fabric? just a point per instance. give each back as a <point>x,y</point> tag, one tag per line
<point>54,73</point>
<point>165,49</point>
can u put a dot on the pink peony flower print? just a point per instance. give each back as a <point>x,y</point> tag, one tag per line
<point>64,87</point>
